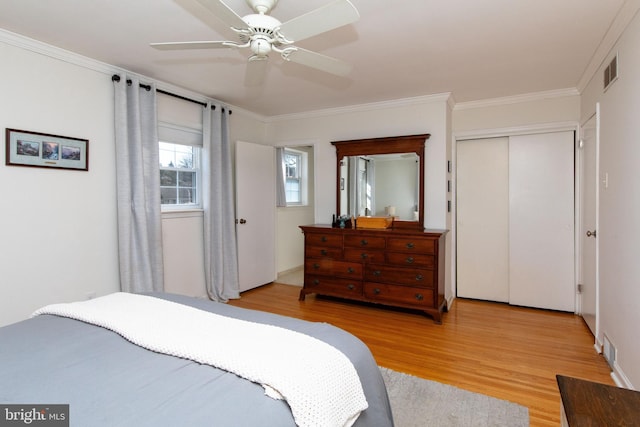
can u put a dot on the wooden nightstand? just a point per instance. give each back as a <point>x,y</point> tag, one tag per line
<point>586,404</point>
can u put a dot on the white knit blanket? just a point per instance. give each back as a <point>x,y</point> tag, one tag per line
<point>317,380</point>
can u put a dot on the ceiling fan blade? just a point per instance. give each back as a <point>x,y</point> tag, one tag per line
<point>326,18</point>
<point>191,45</point>
<point>224,13</point>
<point>318,61</point>
<point>256,71</point>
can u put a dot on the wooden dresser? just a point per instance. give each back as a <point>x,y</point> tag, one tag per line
<point>396,267</point>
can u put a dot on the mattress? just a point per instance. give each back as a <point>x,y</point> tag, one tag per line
<point>108,381</point>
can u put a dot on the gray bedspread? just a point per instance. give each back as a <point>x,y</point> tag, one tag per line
<point>108,381</point>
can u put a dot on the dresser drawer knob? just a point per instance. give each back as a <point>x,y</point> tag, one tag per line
<point>316,266</point>
<point>419,297</point>
<point>316,281</point>
<point>419,277</point>
<point>323,239</point>
<point>410,260</point>
<point>323,252</point>
<point>377,272</point>
<point>410,245</point>
<point>351,286</point>
<point>364,255</point>
<point>350,270</point>
<point>364,242</point>
<point>376,291</point>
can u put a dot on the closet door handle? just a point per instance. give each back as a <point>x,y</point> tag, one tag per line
<point>591,233</point>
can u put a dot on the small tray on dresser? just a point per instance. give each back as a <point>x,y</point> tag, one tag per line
<point>374,222</point>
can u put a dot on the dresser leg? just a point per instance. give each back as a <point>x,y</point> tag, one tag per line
<point>303,294</point>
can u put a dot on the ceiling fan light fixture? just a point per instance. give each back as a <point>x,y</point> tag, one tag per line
<point>260,46</point>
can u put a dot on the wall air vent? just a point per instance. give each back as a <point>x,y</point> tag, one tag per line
<point>609,352</point>
<point>611,72</point>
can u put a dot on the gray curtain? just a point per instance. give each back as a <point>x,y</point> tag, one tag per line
<point>281,197</point>
<point>220,247</point>
<point>138,187</point>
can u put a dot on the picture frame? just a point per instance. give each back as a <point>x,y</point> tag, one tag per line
<point>43,150</point>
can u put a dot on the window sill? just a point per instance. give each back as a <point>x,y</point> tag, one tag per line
<point>182,213</point>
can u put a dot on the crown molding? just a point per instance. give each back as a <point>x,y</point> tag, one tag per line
<point>516,130</point>
<point>517,99</point>
<point>625,15</point>
<point>41,48</point>
<point>73,58</point>
<point>358,108</point>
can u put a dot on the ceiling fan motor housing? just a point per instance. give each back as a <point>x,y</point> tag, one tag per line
<point>262,6</point>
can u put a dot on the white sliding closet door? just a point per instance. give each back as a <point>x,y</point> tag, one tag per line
<point>515,220</point>
<point>541,221</point>
<point>482,218</point>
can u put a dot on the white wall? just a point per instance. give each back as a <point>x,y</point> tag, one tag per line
<point>57,230</point>
<point>424,115</point>
<point>427,115</point>
<point>619,226</point>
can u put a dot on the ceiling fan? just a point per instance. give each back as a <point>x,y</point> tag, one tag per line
<point>264,34</point>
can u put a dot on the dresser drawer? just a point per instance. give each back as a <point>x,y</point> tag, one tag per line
<point>323,252</point>
<point>333,286</point>
<point>409,244</point>
<point>399,275</point>
<point>331,267</point>
<point>323,239</point>
<point>405,295</point>
<point>363,255</point>
<point>369,242</point>
<point>411,259</point>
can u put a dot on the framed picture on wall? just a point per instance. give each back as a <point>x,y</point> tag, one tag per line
<point>26,148</point>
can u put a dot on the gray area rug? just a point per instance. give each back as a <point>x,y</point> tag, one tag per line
<point>417,402</point>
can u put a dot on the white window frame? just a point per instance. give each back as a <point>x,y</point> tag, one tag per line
<point>303,178</point>
<point>178,135</point>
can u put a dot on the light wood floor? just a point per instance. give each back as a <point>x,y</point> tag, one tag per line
<point>511,353</point>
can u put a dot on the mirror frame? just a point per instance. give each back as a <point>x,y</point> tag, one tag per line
<point>386,145</point>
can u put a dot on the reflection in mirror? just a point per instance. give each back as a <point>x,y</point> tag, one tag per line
<point>382,177</point>
<point>380,185</point>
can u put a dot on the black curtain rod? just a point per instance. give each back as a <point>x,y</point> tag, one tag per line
<point>116,78</point>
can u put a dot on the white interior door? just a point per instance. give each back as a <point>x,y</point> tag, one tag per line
<point>256,214</point>
<point>541,221</point>
<point>482,216</point>
<point>588,223</point>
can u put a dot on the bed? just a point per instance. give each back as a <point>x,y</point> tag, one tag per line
<point>109,381</point>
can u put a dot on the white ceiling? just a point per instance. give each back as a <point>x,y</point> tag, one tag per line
<point>475,49</point>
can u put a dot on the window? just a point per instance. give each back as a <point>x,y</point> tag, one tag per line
<point>295,172</point>
<point>179,175</point>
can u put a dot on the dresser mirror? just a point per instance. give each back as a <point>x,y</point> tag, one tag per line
<point>382,177</point>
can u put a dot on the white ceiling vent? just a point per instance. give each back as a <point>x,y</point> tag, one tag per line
<point>611,72</point>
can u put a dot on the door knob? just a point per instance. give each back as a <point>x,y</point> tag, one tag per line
<point>243,221</point>
<point>591,233</point>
